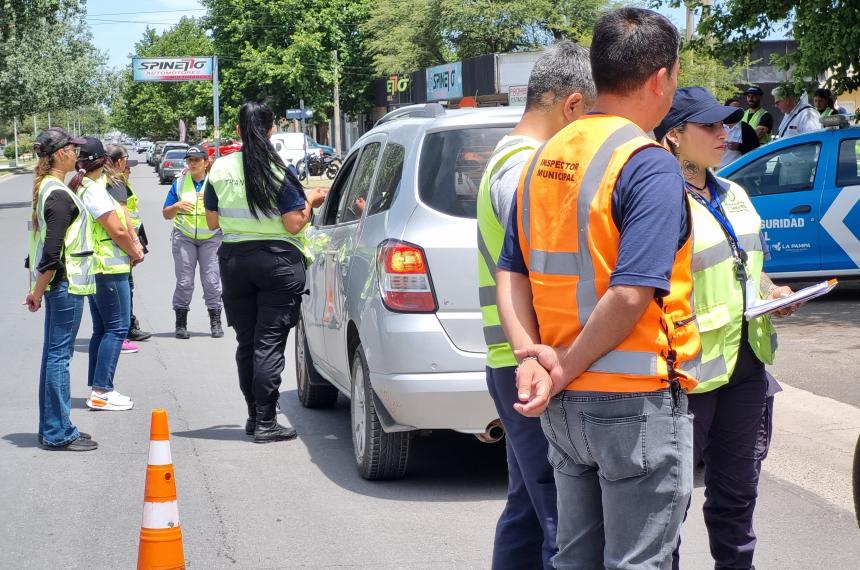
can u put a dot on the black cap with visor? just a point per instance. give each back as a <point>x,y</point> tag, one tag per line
<point>696,105</point>
<point>51,140</point>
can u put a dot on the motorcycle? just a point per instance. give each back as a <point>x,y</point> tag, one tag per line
<point>317,166</point>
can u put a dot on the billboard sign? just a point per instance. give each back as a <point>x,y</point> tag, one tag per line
<point>172,68</point>
<point>445,81</point>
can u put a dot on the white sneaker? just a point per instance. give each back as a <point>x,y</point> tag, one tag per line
<point>108,402</point>
<point>119,396</point>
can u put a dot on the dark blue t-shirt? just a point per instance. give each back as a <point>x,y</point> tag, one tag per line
<point>650,211</point>
<point>290,199</point>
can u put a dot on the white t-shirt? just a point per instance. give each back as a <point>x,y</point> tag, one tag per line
<point>97,200</point>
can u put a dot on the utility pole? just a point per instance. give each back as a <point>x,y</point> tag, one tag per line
<point>337,149</point>
<point>35,128</point>
<point>216,111</point>
<point>15,123</point>
<point>49,119</point>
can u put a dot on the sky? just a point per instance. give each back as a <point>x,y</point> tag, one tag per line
<point>117,26</point>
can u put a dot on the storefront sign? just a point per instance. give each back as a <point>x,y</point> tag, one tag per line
<point>172,68</point>
<point>517,95</point>
<point>445,82</point>
<point>397,84</point>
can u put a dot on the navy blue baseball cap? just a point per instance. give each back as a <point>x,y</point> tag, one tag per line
<point>696,105</point>
<point>754,91</point>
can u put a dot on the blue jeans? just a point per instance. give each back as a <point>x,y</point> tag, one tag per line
<point>525,533</point>
<point>624,473</point>
<point>110,308</point>
<point>62,319</point>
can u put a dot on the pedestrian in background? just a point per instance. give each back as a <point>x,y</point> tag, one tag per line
<point>602,255</point>
<point>560,90</point>
<point>733,402</point>
<point>800,117</point>
<point>193,244</point>
<point>116,249</point>
<point>824,102</point>
<point>740,137</point>
<point>756,116</point>
<point>262,209</point>
<point>60,267</point>
<point>120,188</point>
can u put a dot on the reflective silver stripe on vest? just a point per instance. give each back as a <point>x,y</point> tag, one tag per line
<point>234,237</point>
<point>524,215</point>
<point>586,293</point>
<point>626,362</point>
<point>493,334</point>
<point>554,263</point>
<point>487,295</point>
<point>692,366</point>
<point>722,251</point>
<point>242,214</point>
<point>713,369</point>
<point>485,253</point>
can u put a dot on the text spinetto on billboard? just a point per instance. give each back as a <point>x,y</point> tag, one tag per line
<point>172,68</point>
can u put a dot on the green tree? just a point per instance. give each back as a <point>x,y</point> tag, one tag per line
<point>827,33</point>
<point>283,50</point>
<point>429,32</point>
<point>154,109</point>
<point>700,68</point>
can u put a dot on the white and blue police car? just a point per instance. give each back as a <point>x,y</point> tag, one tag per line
<point>807,191</point>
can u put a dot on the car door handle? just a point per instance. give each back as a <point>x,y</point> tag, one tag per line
<point>804,209</point>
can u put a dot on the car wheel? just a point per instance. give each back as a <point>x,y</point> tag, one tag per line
<point>378,455</point>
<point>314,391</point>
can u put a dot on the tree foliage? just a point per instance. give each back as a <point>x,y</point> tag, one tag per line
<point>154,109</point>
<point>700,68</point>
<point>47,59</point>
<point>284,50</point>
<point>429,32</point>
<point>827,33</point>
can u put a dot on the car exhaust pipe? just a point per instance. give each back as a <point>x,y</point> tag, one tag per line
<point>495,432</point>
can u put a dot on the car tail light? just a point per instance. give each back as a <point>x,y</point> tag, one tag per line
<point>167,164</point>
<point>404,278</point>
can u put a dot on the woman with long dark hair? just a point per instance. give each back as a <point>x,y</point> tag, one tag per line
<point>60,271</point>
<point>120,188</point>
<point>262,209</point>
<point>116,248</point>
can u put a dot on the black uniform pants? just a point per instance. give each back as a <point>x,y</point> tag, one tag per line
<point>732,432</point>
<point>262,287</point>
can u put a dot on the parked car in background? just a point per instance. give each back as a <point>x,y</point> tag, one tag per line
<point>170,145</point>
<point>172,165</point>
<point>156,148</point>
<point>227,146</point>
<point>293,147</point>
<point>806,189</point>
<point>393,320</point>
<point>326,150</point>
<point>143,145</point>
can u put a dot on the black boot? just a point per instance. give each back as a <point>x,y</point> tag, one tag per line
<point>251,422</point>
<point>134,332</point>
<point>182,323</point>
<point>215,323</point>
<point>268,429</point>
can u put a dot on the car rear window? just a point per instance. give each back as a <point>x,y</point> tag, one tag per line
<point>451,165</point>
<point>175,154</point>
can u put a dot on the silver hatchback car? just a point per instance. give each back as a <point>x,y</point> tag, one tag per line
<point>393,320</point>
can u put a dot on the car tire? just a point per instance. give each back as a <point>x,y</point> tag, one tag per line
<point>378,455</point>
<point>856,482</point>
<point>313,390</point>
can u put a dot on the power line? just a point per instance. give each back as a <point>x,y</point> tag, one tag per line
<point>148,12</point>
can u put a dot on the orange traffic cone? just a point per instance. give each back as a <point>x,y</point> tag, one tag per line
<point>160,535</point>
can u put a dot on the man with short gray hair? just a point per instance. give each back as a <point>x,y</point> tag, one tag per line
<point>560,90</point>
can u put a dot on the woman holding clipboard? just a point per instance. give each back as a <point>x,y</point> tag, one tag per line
<point>733,402</point>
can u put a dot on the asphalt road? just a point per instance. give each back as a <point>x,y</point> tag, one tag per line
<point>301,504</point>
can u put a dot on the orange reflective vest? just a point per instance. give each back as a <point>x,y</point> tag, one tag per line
<point>570,246</point>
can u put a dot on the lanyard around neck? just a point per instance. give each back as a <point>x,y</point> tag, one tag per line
<point>716,209</point>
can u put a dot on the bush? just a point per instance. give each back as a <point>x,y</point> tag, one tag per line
<point>9,151</point>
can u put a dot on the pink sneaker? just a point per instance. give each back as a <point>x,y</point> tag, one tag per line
<point>129,347</point>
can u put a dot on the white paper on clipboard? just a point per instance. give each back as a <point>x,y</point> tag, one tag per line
<point>767,307</point>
